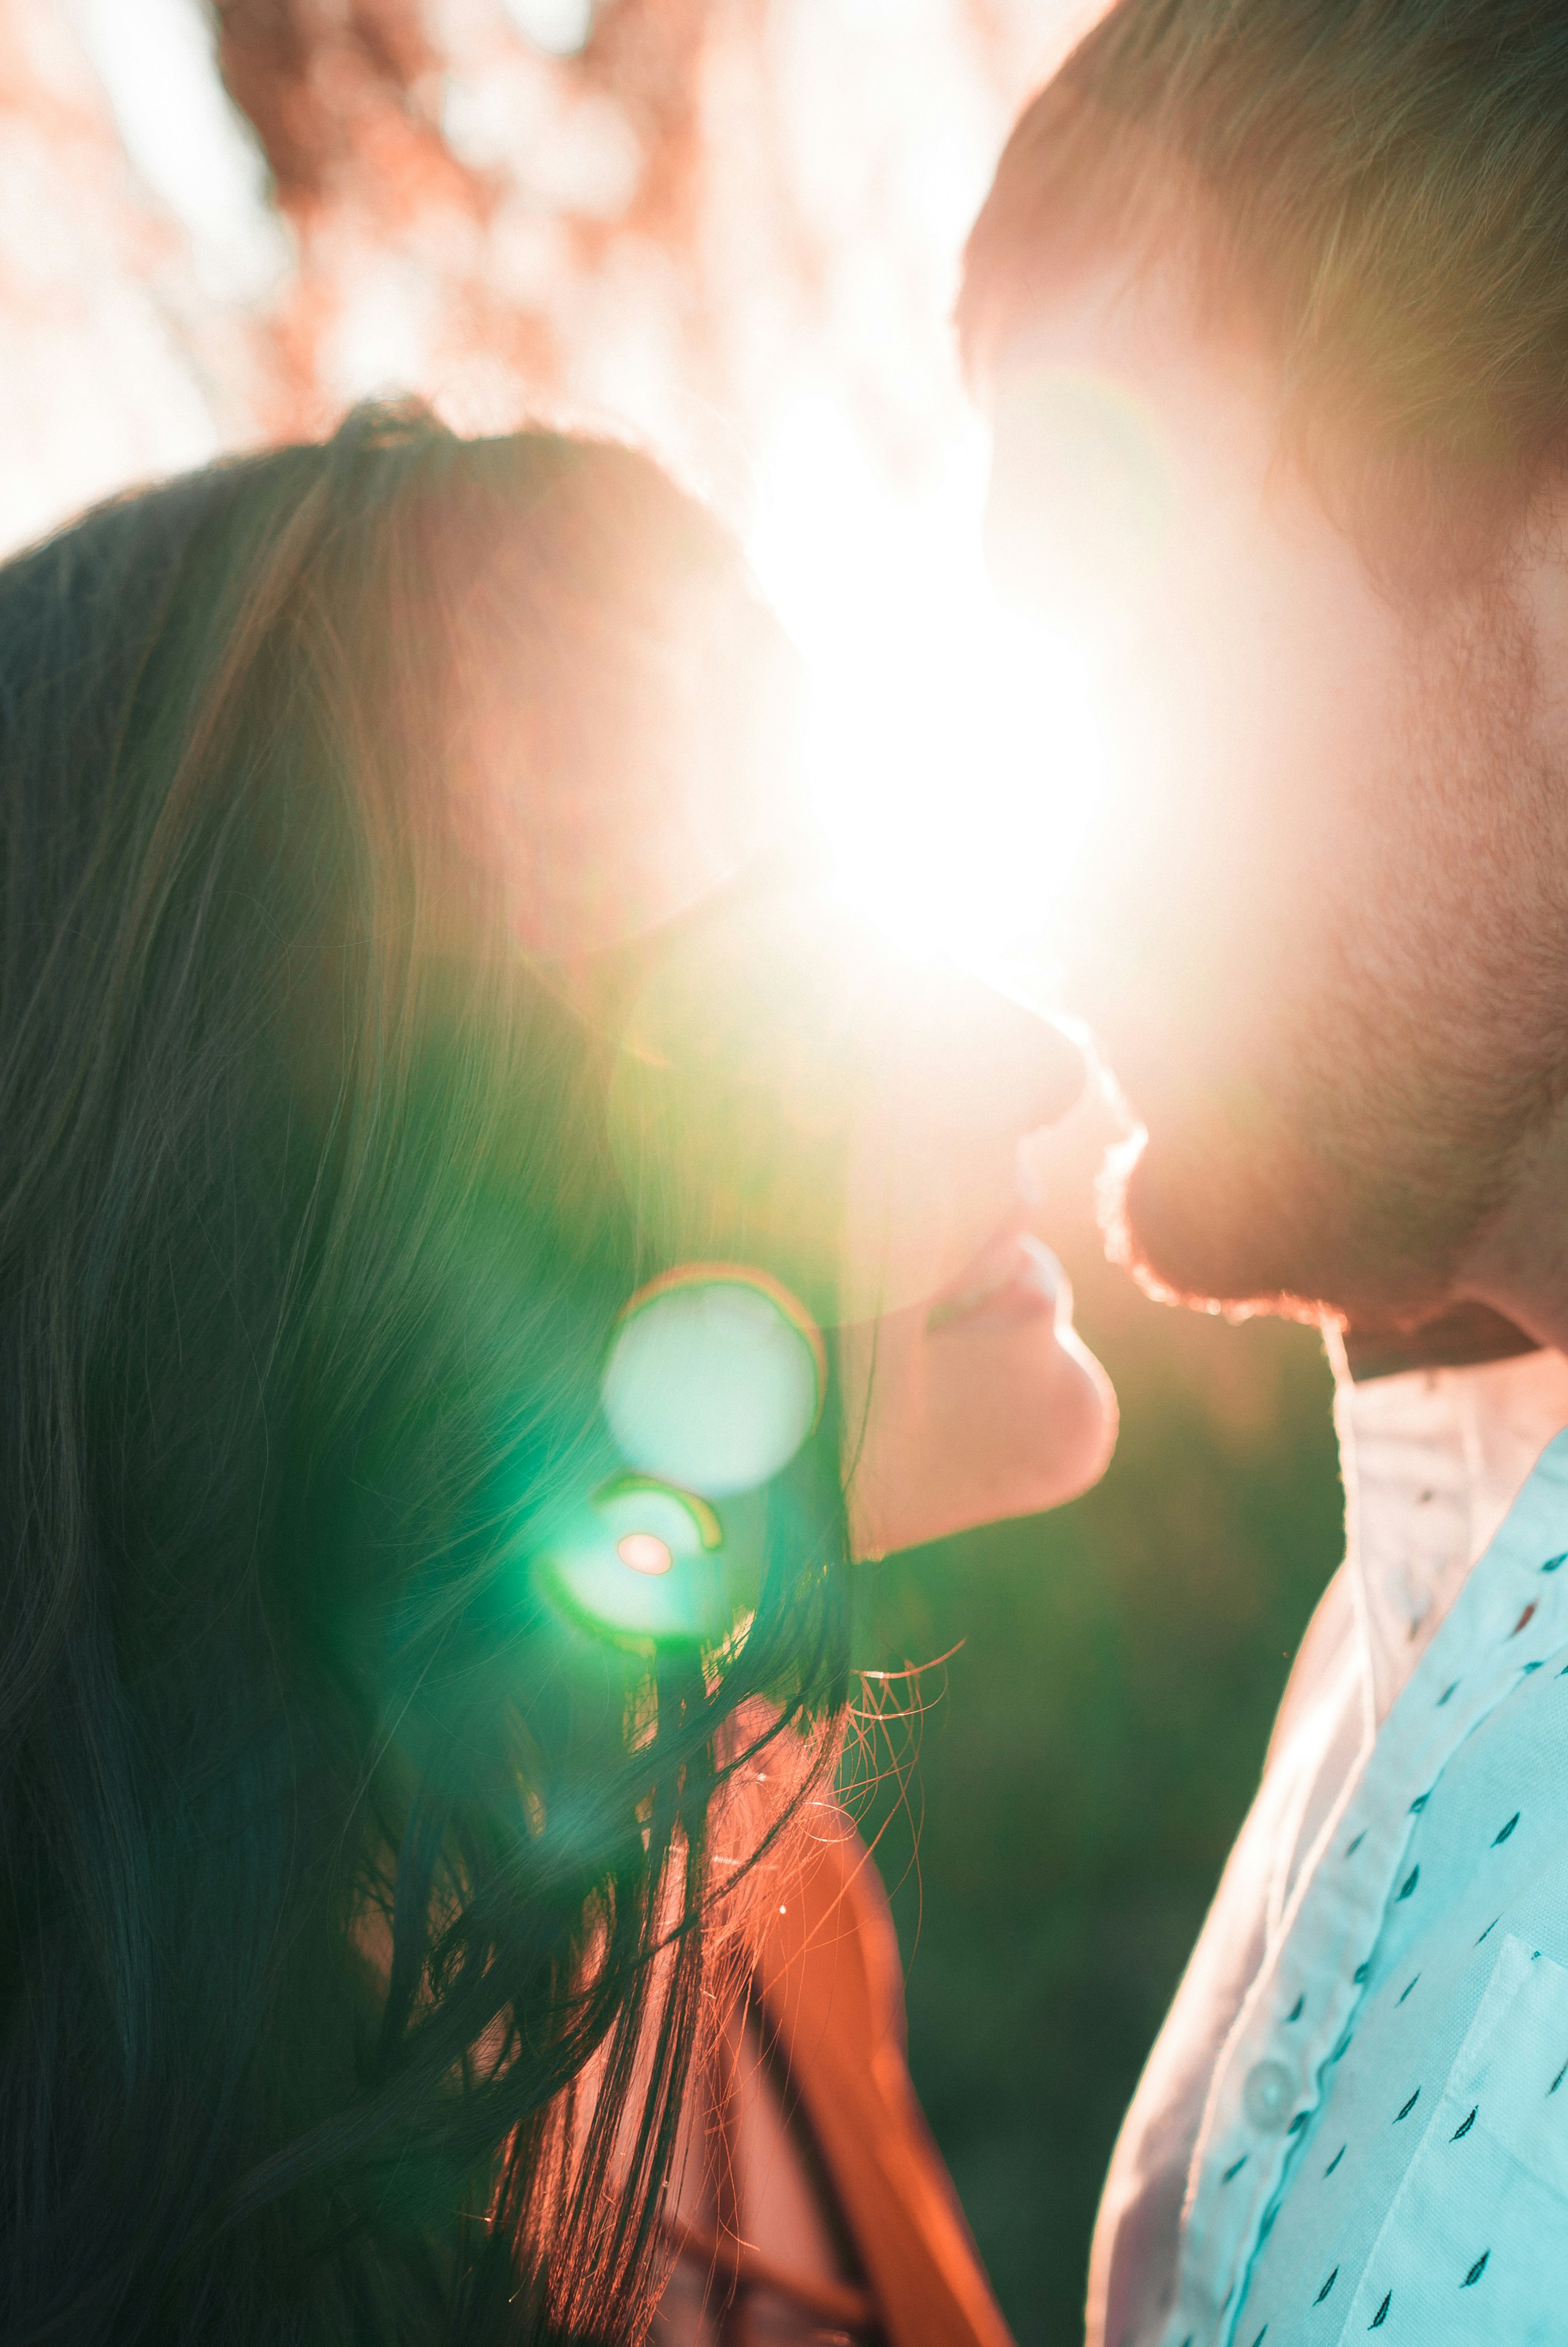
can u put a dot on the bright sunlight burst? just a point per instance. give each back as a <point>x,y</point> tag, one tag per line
<point>959,754</point>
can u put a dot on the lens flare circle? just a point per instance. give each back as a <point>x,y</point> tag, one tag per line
<point>644,1553</point>
<point>715,1377</point>
<point>649,1566</point>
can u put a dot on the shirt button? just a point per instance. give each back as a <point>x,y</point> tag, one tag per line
<point>1268,2095</point>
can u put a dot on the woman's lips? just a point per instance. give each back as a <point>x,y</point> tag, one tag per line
<point>1015,1278</point>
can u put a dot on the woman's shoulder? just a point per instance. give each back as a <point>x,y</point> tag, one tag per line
<point>830,1981</point>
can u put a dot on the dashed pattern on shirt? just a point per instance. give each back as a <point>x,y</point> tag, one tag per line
<point>1327,2100</point>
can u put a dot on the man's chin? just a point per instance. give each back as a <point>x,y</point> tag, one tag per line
<point>1203,1224</point>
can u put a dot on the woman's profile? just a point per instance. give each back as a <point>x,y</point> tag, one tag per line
<point>481,1250</point>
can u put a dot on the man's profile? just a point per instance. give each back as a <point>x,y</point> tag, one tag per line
<point>1309,255</point>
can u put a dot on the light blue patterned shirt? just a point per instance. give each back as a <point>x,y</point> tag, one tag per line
<point>1356,2119</point>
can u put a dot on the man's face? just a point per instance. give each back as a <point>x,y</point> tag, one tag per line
<point>1326,947</point>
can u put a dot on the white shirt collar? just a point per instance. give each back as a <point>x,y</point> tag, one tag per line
<point>1434,1459</point>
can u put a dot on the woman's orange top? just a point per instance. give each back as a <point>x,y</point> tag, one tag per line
<point>814,2105</point>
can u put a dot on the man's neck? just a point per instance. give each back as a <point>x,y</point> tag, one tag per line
<point>1519,1263</point>
<point>1464,1336</point>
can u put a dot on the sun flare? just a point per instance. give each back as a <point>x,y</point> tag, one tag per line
<point>959,752</point>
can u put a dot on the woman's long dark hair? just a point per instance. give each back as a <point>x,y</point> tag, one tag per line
<point>355,1920</point>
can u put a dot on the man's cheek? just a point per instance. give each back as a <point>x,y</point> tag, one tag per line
<point>1197,858</point>
<point>1200,999</point>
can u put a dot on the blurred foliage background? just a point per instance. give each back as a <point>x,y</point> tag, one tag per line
<point>732,228</point>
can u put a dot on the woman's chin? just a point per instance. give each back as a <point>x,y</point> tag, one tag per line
<point>1093,1411</point>
<point>971,1427</point>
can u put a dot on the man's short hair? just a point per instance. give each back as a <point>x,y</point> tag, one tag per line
<point>1379,186</point>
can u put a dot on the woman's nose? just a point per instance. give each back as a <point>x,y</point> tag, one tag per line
<point>934,1161</point>
<point>782,1070</point>
<point>1004,1064</point>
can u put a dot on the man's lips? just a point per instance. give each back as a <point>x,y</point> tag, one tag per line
<point>1013,1279</point>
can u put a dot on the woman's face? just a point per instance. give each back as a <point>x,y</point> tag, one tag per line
<point>903,1091</point>
<point>870,1111</point>
<point>968,1397</point>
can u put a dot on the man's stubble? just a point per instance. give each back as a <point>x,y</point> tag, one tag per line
<point>1408,1023</point>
